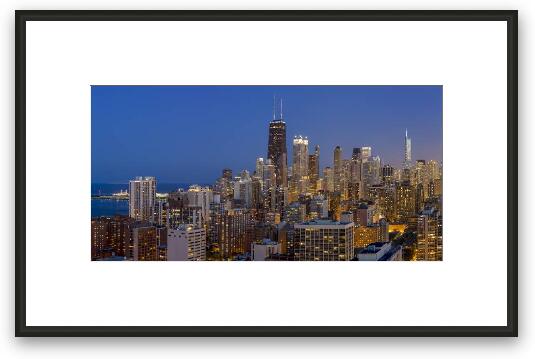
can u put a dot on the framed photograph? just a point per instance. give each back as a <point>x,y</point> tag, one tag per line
<point>262,173</point>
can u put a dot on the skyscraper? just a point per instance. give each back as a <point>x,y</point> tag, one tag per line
<point>371,173</point>
<point>277,152</point>
<point>224,186</point>
<point>300,165</point>
<point>257,195</point>
<point>433,170</point>
<point>405,200</point>
<point>227,174</point>
<point>387,174</point>
<point>200,197</point>
<point>328,179</point>
<point>429,235</point>
<point>243,189</point>
<point>269,179</point>
<point>407,160</point>
<point>142,198</point>
<point>355,175</point>
<point>366,152</point>
<point>109,236</point>
<point>384,197</point>
<point>338,169</point>
<point>314,169</point>
<point>259,169</point>
<point>356,153</point>
<point>144,242</point>
<point>231,230</point>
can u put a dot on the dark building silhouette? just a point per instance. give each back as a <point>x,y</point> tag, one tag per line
<point>277,152</point>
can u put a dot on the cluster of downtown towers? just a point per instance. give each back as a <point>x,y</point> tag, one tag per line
<point>357,209</point>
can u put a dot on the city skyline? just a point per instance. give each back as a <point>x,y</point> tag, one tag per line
<point>119,116</point>
<point>294,200</point>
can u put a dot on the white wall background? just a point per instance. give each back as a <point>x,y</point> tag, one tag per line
<point>521,347</point>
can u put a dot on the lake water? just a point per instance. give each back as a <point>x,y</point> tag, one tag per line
<point>110,207</point>
<point>110,188</point>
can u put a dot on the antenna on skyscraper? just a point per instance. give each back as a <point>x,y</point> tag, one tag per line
<point>281,108</point>
<point>273,107</point>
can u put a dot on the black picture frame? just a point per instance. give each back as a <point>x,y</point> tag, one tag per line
<point>511,329</point>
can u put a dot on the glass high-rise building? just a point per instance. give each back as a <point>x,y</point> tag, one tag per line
<point>300,164</point>
<point>366,152</point>
<point>408,155</point>
<point>142,198</point>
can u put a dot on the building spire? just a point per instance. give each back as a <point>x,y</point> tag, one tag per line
<point>273,107</point>
<point>406,133</point>
<point>281,109</point>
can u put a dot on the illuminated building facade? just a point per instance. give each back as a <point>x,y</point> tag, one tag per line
<point>144,242</point>
<point>224,185</point>
<point>405,201</point>
<point>384,197</point>
<point>142,198</point>
<point>300,165</point>
<point>323,240</point>
<point>338,169</point>
<point>328,179</point>
<point>109,236</point>
<point>429,235</point>
<point>295,212</point>
<point>387,173</point>
<point>364,214</point>
<point>232,230</point>
<point>407,160</point>
<point>314,170</point>
<point>161,212</point>
<point>200,197</point>
<point>319,207</point>
<point>186,243</point>
<point>365,235</point>
<point>365,153</point>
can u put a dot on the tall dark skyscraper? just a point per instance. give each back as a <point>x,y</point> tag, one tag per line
<point>357,153</point>
<point>277,152</point>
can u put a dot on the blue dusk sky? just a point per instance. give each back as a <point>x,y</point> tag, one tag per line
<point>188,134</point>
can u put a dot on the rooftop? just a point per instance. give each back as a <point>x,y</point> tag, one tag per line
<point>267,241</point>
<point>373,247</point>
<point>384,250</point>
<point>390,253</point>
<point>323,222</point>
